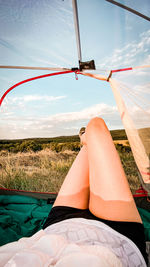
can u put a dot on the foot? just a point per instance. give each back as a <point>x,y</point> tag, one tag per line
<point>82,136</point>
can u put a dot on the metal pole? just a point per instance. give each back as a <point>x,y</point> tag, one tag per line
<point>32,68</point>
<point>129,9</point>
<point>76,22</point>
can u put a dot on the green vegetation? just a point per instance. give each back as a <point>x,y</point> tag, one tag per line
<point>118,134</point>
<point>37,144</point>
<point>57,144</point>
<point>41,164</point>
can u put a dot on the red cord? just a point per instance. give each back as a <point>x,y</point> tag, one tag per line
<point>121,69</point>
<point>141,192</point>
<point>117,70</point>
<point>31,79</point>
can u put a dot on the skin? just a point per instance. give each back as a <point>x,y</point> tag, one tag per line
<point>96,180</point>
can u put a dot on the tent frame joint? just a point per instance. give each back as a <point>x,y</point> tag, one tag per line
<point>110,74</point>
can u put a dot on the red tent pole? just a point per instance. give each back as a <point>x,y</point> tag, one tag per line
<point>31,79</point>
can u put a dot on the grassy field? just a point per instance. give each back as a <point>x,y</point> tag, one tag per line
<point>45,170</point>
<point>41,171</point>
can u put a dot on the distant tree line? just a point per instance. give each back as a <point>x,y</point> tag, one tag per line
<point>57,144</point>
<point>26,146</point>
<point>34,145</point>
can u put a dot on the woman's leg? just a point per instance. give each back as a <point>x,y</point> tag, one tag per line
<point>110,195</point>
<point>74,191</point>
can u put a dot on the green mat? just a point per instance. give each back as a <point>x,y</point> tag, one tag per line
<point>22,216</point>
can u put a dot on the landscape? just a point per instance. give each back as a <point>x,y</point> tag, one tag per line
<point>41,164</point>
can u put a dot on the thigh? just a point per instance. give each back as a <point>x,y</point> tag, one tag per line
<point>110,195</point>
<point>74,191</point>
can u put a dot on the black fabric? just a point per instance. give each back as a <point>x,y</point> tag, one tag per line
<point>132,230</point>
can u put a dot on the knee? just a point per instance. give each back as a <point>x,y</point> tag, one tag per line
<point>97,123</point>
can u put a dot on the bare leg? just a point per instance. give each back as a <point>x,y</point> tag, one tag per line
<point>110,195</point>
<point>74,191</point>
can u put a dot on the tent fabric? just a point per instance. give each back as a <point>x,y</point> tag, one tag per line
<point>22,216</point>
<point>138,133</point>
<point>134,108</point>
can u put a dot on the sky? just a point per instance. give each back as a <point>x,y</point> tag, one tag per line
<point>42,34</point>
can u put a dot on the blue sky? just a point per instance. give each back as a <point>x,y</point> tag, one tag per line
<point>41,33</point>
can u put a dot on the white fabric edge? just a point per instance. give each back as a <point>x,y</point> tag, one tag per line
<point>105,227</point>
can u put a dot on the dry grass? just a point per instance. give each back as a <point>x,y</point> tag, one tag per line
<point>130,169</point>
<point>145,137</point>
<point>121,142</point>
<point>41,171</point>
<point>45,170</point>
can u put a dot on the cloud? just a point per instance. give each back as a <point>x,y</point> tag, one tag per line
<point>85,114</point>
<point>129,53</point>
<point>58,124</point>
<point>12,106</point>
<point>30,98</point>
